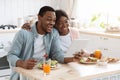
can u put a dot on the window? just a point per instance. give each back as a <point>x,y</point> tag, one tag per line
<point>97,13</point>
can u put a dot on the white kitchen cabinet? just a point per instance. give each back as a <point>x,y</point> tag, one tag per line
<point>110,77</point>
<point>108,45</point>
<point>93,42</point>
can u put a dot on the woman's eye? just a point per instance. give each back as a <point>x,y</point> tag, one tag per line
<point>67,21</point>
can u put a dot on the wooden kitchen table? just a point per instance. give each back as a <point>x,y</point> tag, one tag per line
<point>75,71</point>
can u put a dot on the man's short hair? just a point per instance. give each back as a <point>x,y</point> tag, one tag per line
<point>44,9</point>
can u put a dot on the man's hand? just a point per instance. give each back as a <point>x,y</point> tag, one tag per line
<point>26,26</point>
<point>27,64</point>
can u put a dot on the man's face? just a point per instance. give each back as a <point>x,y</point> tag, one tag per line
<point>47,21</point>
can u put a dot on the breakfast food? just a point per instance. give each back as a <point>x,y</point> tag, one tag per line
<point>111,60</point>
<point>53,64</point>
<point>88,60</point>
<point>40,65</point>
<point>91,59</point>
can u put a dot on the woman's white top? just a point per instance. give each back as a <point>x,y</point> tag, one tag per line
<point>65,42</point>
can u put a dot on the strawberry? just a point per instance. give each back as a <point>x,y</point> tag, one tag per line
<point>46,55</point>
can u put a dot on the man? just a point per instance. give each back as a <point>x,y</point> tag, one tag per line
<point>43,39</point>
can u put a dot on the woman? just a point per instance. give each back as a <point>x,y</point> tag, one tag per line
<point>67,33</point>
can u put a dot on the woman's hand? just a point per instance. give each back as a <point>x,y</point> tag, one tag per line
<point>26,26</point>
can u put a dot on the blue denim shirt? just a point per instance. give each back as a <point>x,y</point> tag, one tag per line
<point>23,47</point>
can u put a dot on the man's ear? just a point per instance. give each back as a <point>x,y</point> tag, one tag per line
<point>39,17</point>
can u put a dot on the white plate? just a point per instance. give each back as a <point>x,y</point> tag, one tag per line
<point>52,68</point>
<point>88,62</point>
<point>84,61</point>
<point>57,67</point>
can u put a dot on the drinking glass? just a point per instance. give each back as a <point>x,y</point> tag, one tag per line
<point>46,68</point>
<point>98,54</point>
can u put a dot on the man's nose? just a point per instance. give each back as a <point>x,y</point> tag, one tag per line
<point>52,22</point>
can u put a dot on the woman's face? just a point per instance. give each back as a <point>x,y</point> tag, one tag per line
<point>62,25</point>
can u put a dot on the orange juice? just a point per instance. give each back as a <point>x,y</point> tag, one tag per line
<point>98,54</point>
<point>46,68</point>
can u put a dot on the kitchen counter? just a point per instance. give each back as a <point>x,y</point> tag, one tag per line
<point>100,33</point>
<point>74,71</point>
<point>2,53</point>
<point>86,31</point>
<point>9,30</point>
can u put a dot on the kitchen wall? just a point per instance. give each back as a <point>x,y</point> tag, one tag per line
<point>12,10</point>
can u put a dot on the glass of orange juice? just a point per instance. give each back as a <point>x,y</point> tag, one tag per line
<point>46,68</point>
<point>98,54</point>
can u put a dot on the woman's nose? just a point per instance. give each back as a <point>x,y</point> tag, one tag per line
<point>63,24</point>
